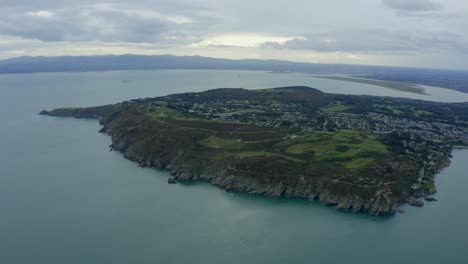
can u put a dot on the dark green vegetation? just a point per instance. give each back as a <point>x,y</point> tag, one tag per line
<point>358,153</point>
<point>400,86</point>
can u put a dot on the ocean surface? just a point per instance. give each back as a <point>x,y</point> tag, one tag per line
<point>65,199</point>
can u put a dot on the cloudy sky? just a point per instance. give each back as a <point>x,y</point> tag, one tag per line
<point>427,33</point>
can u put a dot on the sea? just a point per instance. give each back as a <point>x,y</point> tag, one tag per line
<point>65,199</point>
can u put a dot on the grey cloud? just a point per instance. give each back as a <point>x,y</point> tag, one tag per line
<point>69,26</point>
<point>409,27</point>
<point>376,41</point>
<point>413,5</point>
<point>105,22</point>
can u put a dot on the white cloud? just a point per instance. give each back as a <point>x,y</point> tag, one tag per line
<point>242,40</point>
<point>40,13</point>
<point>180,19</point>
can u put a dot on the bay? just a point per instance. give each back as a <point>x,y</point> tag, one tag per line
<point>64,198</point>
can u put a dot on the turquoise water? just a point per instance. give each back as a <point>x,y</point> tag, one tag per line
<point>64,198</point>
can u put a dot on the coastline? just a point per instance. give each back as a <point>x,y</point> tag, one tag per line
<point>402,87</point>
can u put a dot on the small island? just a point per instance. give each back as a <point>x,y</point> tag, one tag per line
<point>356,153</point>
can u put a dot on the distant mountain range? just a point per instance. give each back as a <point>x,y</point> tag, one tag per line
<point>456,80</point>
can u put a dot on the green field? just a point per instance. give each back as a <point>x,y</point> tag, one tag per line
<point>221,143</point>
<point>250,154</point>
<point>354,147</point>
<point>358,163</point>
<point>336,107</point>
<point>351,149</point>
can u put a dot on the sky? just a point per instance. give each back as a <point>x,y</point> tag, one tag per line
<point>420,33</point>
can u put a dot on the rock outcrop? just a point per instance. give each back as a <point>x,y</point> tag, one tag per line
<point>415,202</point>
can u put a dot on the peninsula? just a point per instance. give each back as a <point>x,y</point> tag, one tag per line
<point>356,153</point>
<point>399,86</point>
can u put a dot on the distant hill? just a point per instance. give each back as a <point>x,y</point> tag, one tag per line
<point>456,80</point>
<point>28,64</point>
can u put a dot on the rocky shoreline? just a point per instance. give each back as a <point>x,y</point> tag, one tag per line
<point>376,206</point>
<point>218,175</point>
<point>231,183</point>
